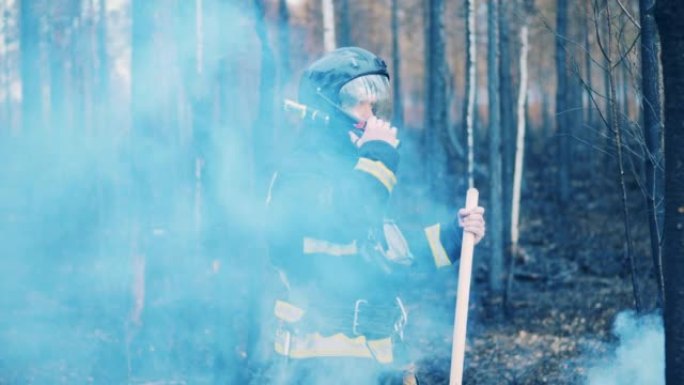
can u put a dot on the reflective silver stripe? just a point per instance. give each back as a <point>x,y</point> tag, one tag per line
<point>439,254</point>
<point>338,345</point>
<point>378,170</point>
<point>319,246</point>
<point>269,195</point>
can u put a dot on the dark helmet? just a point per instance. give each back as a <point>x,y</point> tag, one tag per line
<point>322,81</point>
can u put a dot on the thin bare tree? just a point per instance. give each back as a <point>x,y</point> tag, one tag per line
<point>32,109</point>
<point>471,87</point>
<point>562,94</point>
<point>398,110</point>
<point>618,142</point>
<point>495,221</point>
<point>519,152</point>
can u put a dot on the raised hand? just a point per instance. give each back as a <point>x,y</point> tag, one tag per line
<point>376,129</point>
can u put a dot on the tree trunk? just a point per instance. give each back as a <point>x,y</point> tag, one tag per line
<point>495,221</point>
<point>284,74</point>
<point>398,110</point>
<point>61,34</point>
<point>263,125</point>
<point>344,35</point>
<point>507,119</point>
<point>652,111</point>
<point>519,160</point>
<point>32,110</point>
<point>138,206</point>
<point>669,15</point>
<point>284,42</point>
<point>328,25</point>
<point>7,118</point>
<point>589,108</point>
<point>102,81</point>
<point>604,35</point>
<point>435,108</point>
<point>562,92</point>
<point>471,87</point>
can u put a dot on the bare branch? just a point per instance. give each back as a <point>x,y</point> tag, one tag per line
<point>631,47</point>
<point>598,33</point>
<point>565,39</point>
<point>629,15</point>
<point>591,95</point>
<point>592,146</point>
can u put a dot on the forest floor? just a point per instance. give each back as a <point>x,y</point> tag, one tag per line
<point>564,299</point>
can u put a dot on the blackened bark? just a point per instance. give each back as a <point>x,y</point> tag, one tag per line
<point>140,189</point>
<point>508,119</point>
<point>669,15</point>
<point>143,15</point>
<point>284,42</point>
<point>435,108</point>
<point>495,220</point>
<point>398,111</point>
<point>652,110</point>
<point>589,118</point>
<point>31,82</point>
<point>58,58</point>
<point>562,92</point>
<point>263,125</point>
<point>102,77</point>
<point>344,34</point>
<point>7,110</point>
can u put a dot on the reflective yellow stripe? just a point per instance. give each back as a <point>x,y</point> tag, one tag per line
<point>338,345</point>
<point>287,312</point>
<point>378,170</point>
<point>382,350</point>
<point>438,253</point>
<point>319,246</point>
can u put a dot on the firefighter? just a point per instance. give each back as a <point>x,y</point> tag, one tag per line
<point>339,318</point>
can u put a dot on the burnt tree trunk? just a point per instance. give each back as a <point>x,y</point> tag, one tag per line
<point>589,108</point>
<point>652,110</point>
<point>344,33</point>
<point>6,118</point>
<point>263,125</point>
<point>139,187</point>
<point>398,111</point>
<point>435,104</point>
<point>508,119</point>
<point>283,43</point>
<point>495,177</point>
<point>669,15</point>
<point>562,93</point>
<point>102,77</point>
<point>31,81</point>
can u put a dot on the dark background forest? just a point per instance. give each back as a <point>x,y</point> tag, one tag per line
<point>138,138</point>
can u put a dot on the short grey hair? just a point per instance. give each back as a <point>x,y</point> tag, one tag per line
<point>364,89</point>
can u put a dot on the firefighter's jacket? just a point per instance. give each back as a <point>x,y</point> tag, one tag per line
<point>326,234</point>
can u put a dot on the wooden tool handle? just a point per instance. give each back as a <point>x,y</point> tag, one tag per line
<point>463,295</point>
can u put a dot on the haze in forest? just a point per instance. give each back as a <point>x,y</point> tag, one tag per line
<point>138,141</point>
